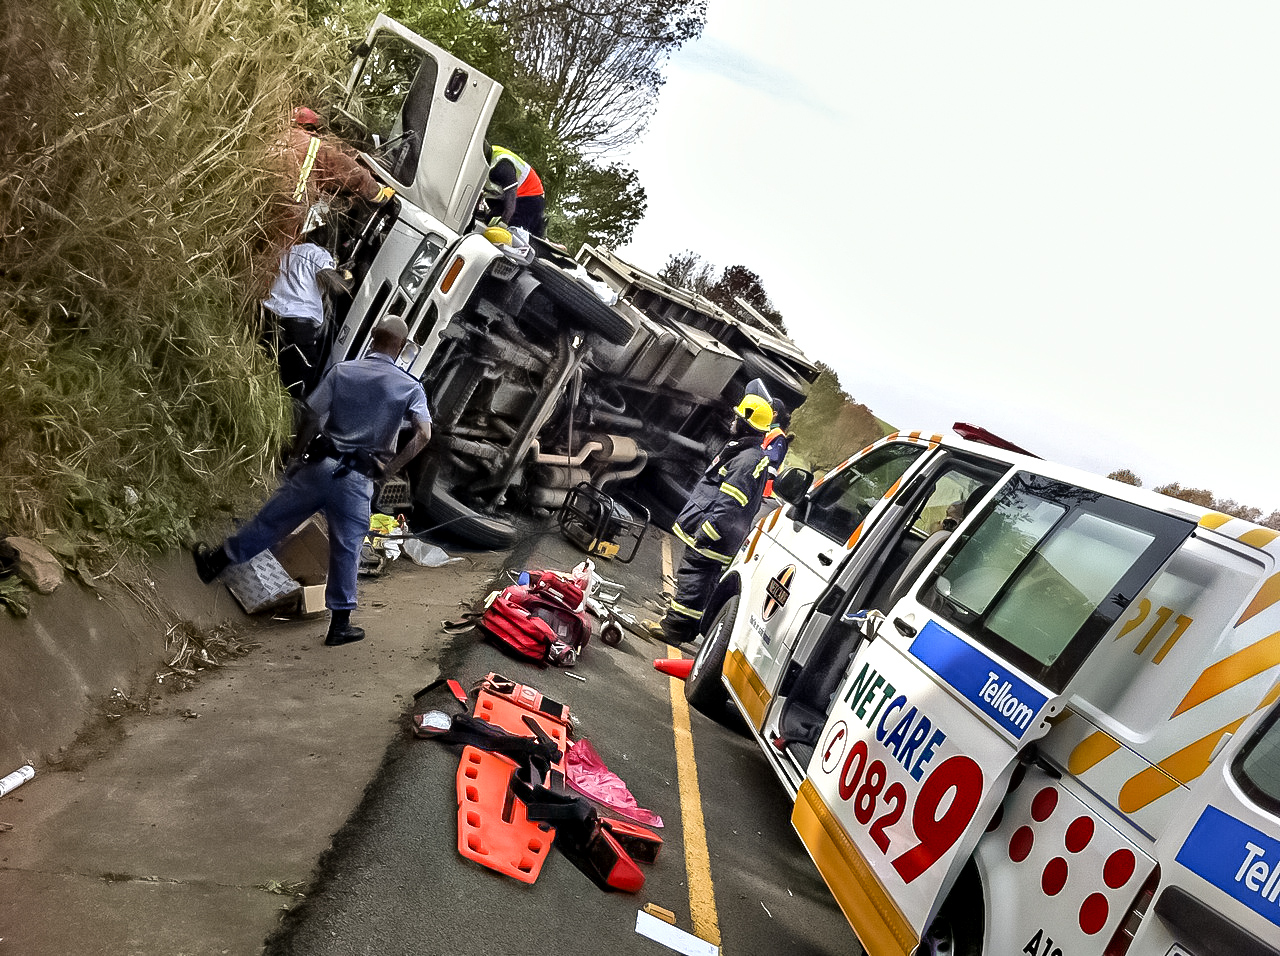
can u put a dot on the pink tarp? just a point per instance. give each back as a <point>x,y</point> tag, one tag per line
<point>588,775</point>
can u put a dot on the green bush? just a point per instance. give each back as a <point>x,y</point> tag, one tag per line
<point>134,397</point>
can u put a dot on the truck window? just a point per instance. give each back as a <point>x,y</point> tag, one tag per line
<point>846,496</point>
<point>391,101</point>
<point>1257,766</point>
<point>1047,571</point>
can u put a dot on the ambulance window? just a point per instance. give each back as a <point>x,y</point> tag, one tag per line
<point>391,100</point>
<point>1178,625</point>
<point>846,496</point>
<point>1047,570</point>
<point>1257,767</point>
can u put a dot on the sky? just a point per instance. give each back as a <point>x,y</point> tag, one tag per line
<point>1058,221</point>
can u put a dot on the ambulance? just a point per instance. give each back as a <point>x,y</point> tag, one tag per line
<point>1021,710</point>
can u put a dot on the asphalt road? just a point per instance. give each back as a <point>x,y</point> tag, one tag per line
<point>395,883</point>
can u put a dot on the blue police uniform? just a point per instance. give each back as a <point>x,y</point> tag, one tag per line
<point>713,524</point>
<point>361,405</point>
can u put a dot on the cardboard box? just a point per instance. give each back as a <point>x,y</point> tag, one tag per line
<point>312,600</point>
<point>304,552</point>
<point>261,584</point>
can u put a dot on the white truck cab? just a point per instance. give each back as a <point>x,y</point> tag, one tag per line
<point>1020,709</point>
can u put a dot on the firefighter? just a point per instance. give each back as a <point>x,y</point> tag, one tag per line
<point>716,518</point>
<point>520,188</point>
<point>775,445</point>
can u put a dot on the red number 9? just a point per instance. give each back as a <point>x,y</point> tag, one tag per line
<point>939,834</point>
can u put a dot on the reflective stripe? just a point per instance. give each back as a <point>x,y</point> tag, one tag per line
<point>734,493</point>
<point>300,190</point>
<point>679,533</point>
<point>764,463</point>
<point>678,608</point>
<point>715,555</point>
<point>709,528</point>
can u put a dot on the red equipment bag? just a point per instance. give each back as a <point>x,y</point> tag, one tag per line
<point>537,620</point>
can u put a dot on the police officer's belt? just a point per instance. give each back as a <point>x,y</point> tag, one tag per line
<point>361,462</point>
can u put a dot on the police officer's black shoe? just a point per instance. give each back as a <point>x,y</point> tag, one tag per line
<point>209,564</point>
<point>345,633</point>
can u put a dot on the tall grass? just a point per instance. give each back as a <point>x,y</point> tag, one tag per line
<point>135,402</point>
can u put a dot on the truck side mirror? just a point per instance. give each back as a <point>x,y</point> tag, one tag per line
<point>792,485</point>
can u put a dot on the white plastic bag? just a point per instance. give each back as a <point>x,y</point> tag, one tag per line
<point>426,555</point>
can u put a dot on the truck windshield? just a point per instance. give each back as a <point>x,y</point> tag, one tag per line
<point>1047,570</point>
<point>391,100</point>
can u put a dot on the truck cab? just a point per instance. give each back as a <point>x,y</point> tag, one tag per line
<point>1007,704</point>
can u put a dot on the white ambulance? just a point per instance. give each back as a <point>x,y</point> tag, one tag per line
<point>1021,709</point>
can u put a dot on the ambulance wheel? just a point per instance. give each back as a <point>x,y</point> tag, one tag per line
<point>957,930</point>
<point>702,688</point>
<point>572,296</point>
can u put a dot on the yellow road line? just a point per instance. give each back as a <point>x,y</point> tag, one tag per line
<point>697,859</point>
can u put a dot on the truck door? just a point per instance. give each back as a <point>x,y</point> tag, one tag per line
<point>421,114</point>
<point>794,554</point>
<point>965,674</point>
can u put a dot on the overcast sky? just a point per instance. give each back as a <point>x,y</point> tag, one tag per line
<point>1060,221</point>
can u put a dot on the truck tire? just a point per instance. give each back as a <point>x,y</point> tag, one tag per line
<point>702,688</point>
<point>575,298</point>
<point>450,515</point>
<point>782,382</point>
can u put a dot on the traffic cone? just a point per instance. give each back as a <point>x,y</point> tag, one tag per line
<point>678,667</point>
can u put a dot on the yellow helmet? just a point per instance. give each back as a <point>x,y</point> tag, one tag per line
<point>498,236</point>
<point>756,411</point>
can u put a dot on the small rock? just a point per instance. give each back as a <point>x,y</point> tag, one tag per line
<point>36,564</point>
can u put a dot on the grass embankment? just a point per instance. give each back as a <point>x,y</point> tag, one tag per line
<point>135,402</point>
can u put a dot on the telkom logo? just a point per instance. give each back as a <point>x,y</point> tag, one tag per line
<point>998,694</point>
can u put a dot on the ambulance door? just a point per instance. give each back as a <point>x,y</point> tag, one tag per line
<point>922,516</point>
<point>421,115</point>
<point>963,676</point>
<point>793,554</point>
<point>1220,866</point>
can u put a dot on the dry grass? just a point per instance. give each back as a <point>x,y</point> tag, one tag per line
<point>134,189</point>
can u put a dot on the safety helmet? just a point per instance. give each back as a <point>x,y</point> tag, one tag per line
<point>304,116</point>
<point>756,411</point>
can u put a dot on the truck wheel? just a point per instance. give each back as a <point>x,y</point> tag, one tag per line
<point>783,383</point>
<point>957,930</point>
<point>451,516</point>
<point>702,688</point>
<point>572,296</point>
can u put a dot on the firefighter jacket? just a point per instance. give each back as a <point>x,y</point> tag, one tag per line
<point>723,504</point>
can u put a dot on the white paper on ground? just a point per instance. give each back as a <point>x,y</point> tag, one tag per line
<point>673,937</point>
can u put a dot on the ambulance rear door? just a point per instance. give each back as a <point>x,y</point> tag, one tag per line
<point>961,679</point>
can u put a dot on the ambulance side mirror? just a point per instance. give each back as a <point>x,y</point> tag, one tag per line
<point>792,485</point>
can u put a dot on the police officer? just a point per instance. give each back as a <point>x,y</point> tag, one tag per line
<point>353,419</point>
<point>716,518</point>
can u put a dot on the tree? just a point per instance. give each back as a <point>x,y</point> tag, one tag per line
<point>830,426</point>
<point>687,270</point>
<point>595,66</point>
<point>1127,476</point>
<point>1196,496</point>
<point>596,204</point>
<point>739,282</point>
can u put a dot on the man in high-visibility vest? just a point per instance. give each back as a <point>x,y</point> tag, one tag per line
<point>314,166</point>
<point>776,443</point>
<point>520,189</point>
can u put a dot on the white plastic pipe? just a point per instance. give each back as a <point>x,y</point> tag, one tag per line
<point>16,779</point>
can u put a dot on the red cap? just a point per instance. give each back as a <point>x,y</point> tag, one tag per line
<point>305,116</point>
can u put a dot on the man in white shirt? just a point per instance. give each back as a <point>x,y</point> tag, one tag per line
<point>296,304</point>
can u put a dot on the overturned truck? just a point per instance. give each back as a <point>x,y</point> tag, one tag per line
<point>541,370</point>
